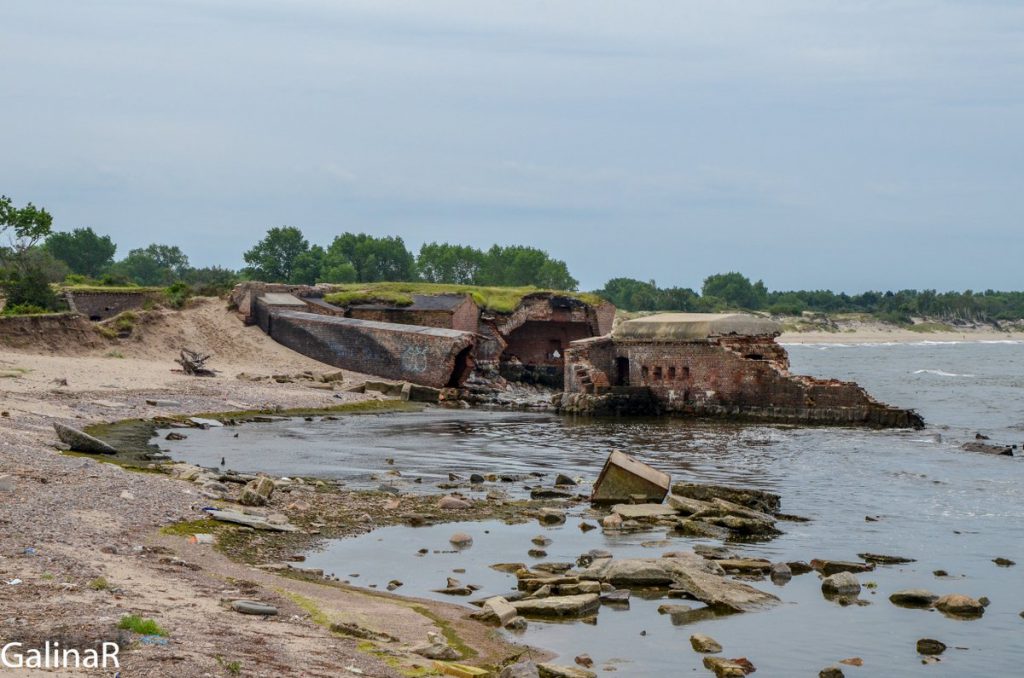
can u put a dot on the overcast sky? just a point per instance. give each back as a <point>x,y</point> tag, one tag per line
<point>861,144</point>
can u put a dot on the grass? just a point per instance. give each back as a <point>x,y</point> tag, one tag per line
<point>113,354</point>
<point>495,299</point>
<point>113,289</point>
<point>187,528</point>
<point>99,584</point>
<point>144,627</point>
<point>234,668</point>
<point>927,327</point>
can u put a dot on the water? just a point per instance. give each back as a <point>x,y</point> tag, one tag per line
<point>947,508</point>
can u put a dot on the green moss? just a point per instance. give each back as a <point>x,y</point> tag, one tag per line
<point>357,407</point>
<point>307,604</point>
<point>145,627</point>
<point>447,631</point>
<point>494,299</point>
<point>189,527</point>
<point>127,464</point>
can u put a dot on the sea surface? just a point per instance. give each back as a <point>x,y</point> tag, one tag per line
<point>947,508</point>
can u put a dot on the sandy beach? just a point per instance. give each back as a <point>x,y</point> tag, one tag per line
<point>82,542</point>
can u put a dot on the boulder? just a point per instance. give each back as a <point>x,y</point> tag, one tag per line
<point>450,503</point>
<point>496,609</point>
<point>460,539</point>
<point>523,669</point>
<point>699,528</point>
<point>780,573</point>
<point>257,492</point>
<point>725,668</point>
<point>930,646</point>
<point>840,584</point>
<point>558,671</point>
<point>957,605</point>
<point>913,598</point>
<point>705,644</point>
<point>562,479</point>
<point>831,672</point>
<point>830,567</point>
<point>551,516</point>
<point>758,500</point>
<point>436,648</point>
<point>79,441</point>
<point>559,606</point>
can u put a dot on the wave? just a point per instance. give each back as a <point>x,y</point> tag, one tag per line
<point>940,373</point>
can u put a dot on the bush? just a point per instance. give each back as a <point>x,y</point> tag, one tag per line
<point>24,309</point>
<point>178,294</point>
<point>145,627</point>
<point>30,289</point>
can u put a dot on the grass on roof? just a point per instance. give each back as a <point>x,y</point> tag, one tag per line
<point>495,299</point>
<point>112,289</point>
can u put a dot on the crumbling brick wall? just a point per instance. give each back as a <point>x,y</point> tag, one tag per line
<point>103,305</point>
<point>728,375</point>
<point>421,355</point>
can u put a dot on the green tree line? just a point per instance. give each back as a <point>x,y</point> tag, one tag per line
<point>33,255</point>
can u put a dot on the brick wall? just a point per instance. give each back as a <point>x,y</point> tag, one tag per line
<point>731,376</point>
<point>402,316</point>
<point>103,305</point>
<point>428,356</point>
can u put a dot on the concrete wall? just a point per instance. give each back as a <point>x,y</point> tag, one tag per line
<point>103,305</point>
<point>422,355</point>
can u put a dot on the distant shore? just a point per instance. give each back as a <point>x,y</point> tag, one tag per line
<point>882,334</point>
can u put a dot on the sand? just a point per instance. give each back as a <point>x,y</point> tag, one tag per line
<point>66,522</point>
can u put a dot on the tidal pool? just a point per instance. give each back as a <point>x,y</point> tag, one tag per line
<point>948,509</point>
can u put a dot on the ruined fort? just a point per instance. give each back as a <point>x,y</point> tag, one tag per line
<point>706,365</point>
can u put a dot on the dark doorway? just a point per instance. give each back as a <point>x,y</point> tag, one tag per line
<point>463,366</point>
<point>622,371</point>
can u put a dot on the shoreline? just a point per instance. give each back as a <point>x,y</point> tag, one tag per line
<point>89,542</point>
<point>882,336</point>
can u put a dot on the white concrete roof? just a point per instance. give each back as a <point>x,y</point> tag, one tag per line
<point>694,326</point>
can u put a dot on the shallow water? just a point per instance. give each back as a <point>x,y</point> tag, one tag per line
<point>947,508</point>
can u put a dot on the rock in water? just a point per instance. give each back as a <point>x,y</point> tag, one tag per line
<point>726,668</point>
<point>559,606</point>
<point>841,584</point>
<point>557,671</point>
<point>461,539</point>
<point>930,646</point>
<point>81,442</point>
<point>957,605</point>
<point>830,567</point>
<point>524,669</point>
<point>705,644</point>
<point>831,672</point>
<point>913,598</point>
<point>450,502</point>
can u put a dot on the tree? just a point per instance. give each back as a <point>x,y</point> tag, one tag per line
<point>24,227</point>
<point>444,263</point>
<point>307,267</point>
<point>374,259</point>
<point>735,290</point>
<point>154,265</point>
<point>277,256</point>
<point>82,250</point>
<point>516,265</point>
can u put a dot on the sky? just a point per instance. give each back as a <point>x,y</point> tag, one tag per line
<point>847,145</point>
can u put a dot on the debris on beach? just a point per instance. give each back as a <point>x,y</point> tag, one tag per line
<point>624,480</point>
<point>194,364</point>
<point>249,520</point>
<point>81,442</point>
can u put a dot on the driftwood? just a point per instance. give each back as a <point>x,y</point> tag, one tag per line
<point>194,363</point>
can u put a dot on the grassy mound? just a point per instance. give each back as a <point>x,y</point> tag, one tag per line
<point>494,299</point>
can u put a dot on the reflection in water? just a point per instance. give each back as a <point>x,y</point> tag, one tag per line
<point>949,509</point>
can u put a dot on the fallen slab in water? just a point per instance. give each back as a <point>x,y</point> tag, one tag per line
<point>702,579</point>
<point>623,479</point>
<point>559,606</point>
<point>79,441</point>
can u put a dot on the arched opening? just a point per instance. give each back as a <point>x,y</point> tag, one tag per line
<point>463,366</point>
